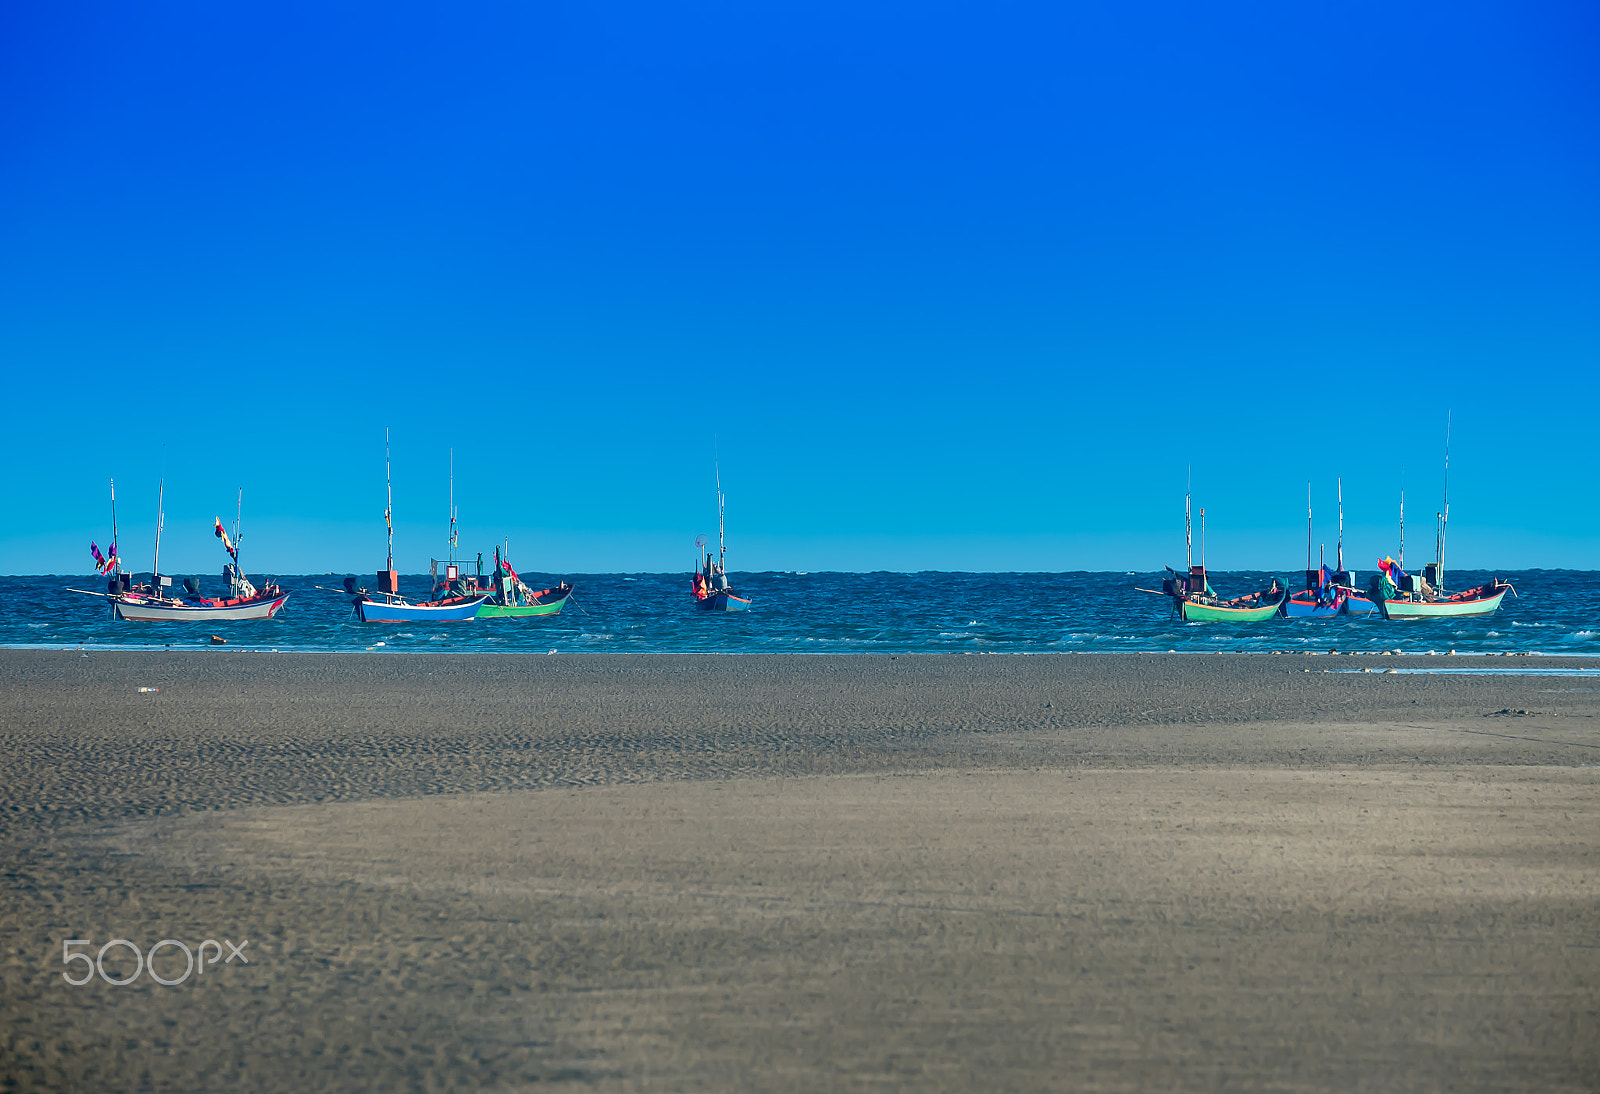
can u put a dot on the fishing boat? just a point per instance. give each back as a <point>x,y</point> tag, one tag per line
<point>709,585</point>
<point>1403,596</point>
<point>1251,608</point>
<point>386,604</point>
<point>1328,593</point>
<point>1475,603</point>
<point>385,607</point>
<point>154,602</point>
<point>1193,599</point>
<point>509,598</point>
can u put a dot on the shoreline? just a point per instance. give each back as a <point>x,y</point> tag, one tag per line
<point>233,647</point>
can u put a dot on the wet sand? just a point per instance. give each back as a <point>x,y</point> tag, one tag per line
<point>738,873</point>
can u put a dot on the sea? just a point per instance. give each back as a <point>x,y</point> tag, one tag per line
<point>1553,612</point>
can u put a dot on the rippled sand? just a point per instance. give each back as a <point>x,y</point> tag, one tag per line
<point>737,873</point>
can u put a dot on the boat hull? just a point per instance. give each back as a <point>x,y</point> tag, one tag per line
<point>372,611</point>
<point>1443,609</point>
<point>1359,605</point>
<point>1305,607</point>
<point>552,606</point>
<point>145,611</point>
<point>1216,613</point>
<point>724,601</point>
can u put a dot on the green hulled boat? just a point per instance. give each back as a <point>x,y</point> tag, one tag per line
<point>1199,611</point>
<point>1195,601</point>
<point>509,598</point>
<point>543,602</point>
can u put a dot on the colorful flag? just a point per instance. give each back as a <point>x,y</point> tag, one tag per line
<point>227,544</point>
<point>1391,568</point>
<point>104,563</point>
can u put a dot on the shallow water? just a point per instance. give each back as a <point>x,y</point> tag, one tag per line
<point>1557,611</point>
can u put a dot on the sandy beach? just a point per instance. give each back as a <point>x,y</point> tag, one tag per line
<point>1117,872</point>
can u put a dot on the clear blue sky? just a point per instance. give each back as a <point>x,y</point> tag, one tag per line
<point>949,287</point>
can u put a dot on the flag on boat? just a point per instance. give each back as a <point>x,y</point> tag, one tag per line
<point>103,563</point>
<point>1392,570</point>
<point>227,544</point>
<point>1327,577</point>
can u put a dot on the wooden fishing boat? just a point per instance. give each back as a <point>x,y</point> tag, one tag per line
<point>152,602</point>
<point>542,602</point>
<point>1468,604</point>
<point>1327,602</point>
<point>1328,593</point>
<point>725,600</point>
<point>509,598</point>
<point>1193,599</point>
<point>709,586</point>
<point>386,605</point>
<point>1251,609</point>
<point>1312,603</point>
<point>1403,596</point>
<point>382,607</point>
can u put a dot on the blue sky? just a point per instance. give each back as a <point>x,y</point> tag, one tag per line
<point>946,287</point>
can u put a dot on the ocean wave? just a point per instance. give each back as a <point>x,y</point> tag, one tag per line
<point>836,612</point>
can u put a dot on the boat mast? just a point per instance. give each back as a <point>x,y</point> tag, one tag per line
<point>1444,517</point>
<point>388,509</point>
<point>1339,558</point>
<point>722,540</point>
<point>1188,527</point>
<point>454,537</point>
<point>1308,527</point>
<point>116,560</point>
<point>155,566</point>
<point>238,515</point>
<point>1402,518</point>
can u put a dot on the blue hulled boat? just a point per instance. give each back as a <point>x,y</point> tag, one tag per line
<point>1328,592</point>
<point>393,608</point>
<point>710,587</point>
<point>725,600</point>
<point>387,605</point>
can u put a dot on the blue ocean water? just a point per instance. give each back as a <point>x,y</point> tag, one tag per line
<point>1556,611</point>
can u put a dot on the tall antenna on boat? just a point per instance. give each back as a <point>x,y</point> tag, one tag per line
<point>155,576</point>
<point>454,537</point>
<point>1308,527</point>
<point>115,558</point>
<point>238,516</point>
<point>1188,525</point>
<point>388,509</point>
<point>1202,537</point>
<point>722,543</point>
<point>1339,559</point>
<point>1402,516</point>
<point>1444,517</point>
